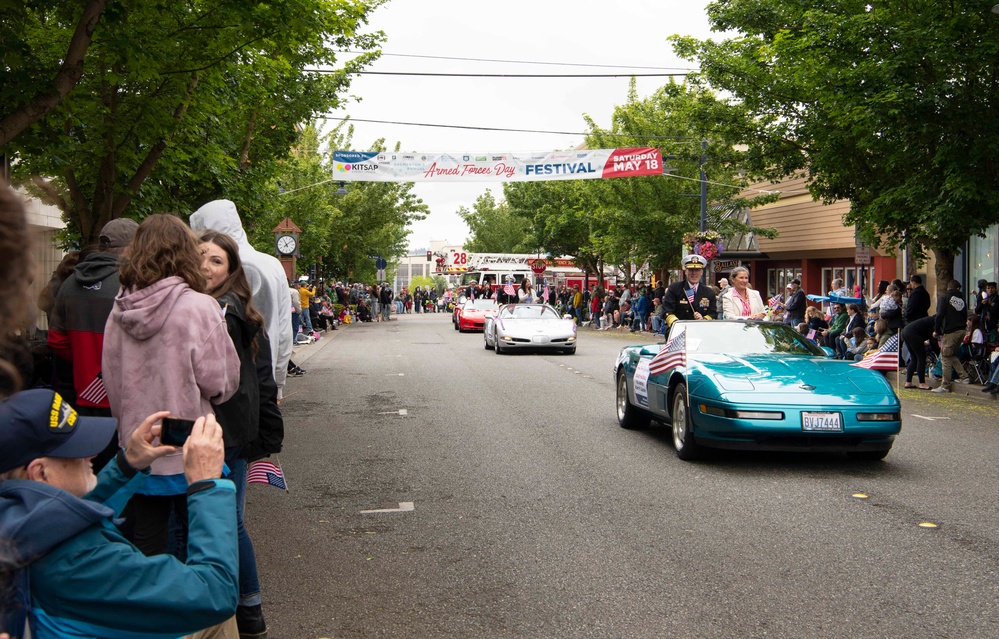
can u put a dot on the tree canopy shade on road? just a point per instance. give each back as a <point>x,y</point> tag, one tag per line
<point>179,103</point>
<point>892,105</point>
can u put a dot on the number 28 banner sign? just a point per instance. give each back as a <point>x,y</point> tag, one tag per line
<point>591,164</point>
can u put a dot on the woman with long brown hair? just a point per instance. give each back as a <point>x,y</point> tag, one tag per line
<point>251,421</point>
<point>166,348</point>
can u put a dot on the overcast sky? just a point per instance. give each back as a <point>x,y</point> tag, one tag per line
<point>585,32</point>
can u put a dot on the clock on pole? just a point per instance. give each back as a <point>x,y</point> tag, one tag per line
<point>287,245</point>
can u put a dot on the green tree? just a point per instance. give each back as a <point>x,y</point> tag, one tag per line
<point>184,103</point>
<point>891,105</point>
<point>492,227</point>
<point>341,232</point>
<point>634,221</point>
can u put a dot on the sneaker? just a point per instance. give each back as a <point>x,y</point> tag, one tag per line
<point>988,387</point>
<point>966,380</point>
<point>250,622</point>
<point>940,389</point>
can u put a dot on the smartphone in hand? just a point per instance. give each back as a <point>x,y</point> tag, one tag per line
<point>175,431</point>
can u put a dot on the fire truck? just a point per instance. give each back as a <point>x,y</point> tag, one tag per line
<point>496,269</point>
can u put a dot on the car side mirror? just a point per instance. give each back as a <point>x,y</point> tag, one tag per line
<point>567,316</point>
<point>828,351</point>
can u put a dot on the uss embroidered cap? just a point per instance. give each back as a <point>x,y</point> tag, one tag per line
<point>695,261</point>
<point>40,423</point>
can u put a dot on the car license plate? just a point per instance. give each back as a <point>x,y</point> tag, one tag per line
<point>827,422</point>
<point>540,339</point>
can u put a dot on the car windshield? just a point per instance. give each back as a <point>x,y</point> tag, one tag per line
<point>745,338</point>
<point>529,311</point>
<point>483,304</point>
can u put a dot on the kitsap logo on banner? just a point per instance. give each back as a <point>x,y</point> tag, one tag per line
<point>498,167</point>
<point>347,161</point>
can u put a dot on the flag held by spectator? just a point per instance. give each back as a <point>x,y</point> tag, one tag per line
<point>508,289</point>
<point>883,359</point>
<point>774,302</point>
<point>672,355</point>
<point>267,472</point>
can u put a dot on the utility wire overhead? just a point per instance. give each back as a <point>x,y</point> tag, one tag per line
<point>486,128</point>
<point>506,75</point>
<point>553,64</point>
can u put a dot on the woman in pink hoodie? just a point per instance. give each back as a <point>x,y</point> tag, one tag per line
<point>166,347</point>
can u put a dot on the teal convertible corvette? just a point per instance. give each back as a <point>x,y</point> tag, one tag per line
<point>754,386</point>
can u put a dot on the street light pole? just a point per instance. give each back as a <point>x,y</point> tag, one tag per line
<point>704,185</point>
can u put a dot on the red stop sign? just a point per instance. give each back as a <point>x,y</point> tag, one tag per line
<point>539,266</point>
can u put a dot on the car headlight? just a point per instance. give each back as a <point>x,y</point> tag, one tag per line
<point>741,414</point>
<point>506,338</point>
<point>878,417</point>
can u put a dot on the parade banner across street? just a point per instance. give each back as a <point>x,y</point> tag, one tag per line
<point>592,164</point>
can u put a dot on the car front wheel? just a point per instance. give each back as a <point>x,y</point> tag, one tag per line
<point>627,415</point>
<point>683,435</point>
<point>496,345</point>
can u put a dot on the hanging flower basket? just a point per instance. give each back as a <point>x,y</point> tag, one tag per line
<point>707,244</point>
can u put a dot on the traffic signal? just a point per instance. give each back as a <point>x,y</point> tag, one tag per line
<point>430,256</point>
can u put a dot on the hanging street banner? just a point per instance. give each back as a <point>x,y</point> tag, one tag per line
<point>593,164</point>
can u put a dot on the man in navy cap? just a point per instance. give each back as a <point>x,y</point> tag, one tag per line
<point>689,299</point>
<point>85,579</point>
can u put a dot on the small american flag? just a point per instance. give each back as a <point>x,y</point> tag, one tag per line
<point>508,289</point>
<point>672,356</point>
<point>95,392</point>
<point>811,334</point>
<point>544,294</point>
<point>264,471</point>
<point>774,301</point>
<point>690,296</point>
<point>884,359</point>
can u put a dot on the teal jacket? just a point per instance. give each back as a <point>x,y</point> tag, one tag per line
<point>87,581</point>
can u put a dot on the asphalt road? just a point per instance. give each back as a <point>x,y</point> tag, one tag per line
<point>518,508</point>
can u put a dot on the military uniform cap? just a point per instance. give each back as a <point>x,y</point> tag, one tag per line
<point>695,261</point>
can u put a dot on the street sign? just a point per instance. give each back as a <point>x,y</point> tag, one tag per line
<point>380,263</point>
<point>863,256</point>
<point>539,266</point>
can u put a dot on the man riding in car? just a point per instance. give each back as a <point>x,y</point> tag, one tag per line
<point>689,299</point>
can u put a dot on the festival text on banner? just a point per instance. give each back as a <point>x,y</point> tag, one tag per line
<point>593,164</point>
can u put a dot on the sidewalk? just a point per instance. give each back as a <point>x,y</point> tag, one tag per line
<point>973,391</point>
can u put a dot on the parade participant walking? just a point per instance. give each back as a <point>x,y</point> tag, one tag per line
<point>689,299</point>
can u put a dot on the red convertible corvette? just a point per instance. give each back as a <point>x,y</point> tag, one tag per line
<point>471,316</point>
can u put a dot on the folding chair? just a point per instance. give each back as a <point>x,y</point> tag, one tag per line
<point>977,366</point>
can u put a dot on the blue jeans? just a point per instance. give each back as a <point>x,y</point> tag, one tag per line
<point>296,322</point>
<point>249,581</point>
<point>639,323</point>
<point>657,323</point>
<point>306,319</point>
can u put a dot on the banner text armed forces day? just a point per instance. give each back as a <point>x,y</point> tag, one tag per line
<point>591,164</point>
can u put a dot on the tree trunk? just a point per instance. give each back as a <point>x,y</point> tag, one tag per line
<point>943,269</point>
<point>65,79</point>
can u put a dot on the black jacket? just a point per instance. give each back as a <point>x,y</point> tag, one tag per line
<point>676,306</point>
<point>952,313</point>
<point>795,307</point>
<point>250,418</point>
<point>918,305</point>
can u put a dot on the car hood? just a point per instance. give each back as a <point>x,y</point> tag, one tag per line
<point>528,325</point>
<point>754,378</point>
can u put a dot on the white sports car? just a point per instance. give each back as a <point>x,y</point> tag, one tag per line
<point>529,326</point>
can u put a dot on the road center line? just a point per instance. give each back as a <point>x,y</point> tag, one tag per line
<point>404,507</point>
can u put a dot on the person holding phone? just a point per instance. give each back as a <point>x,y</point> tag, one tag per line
<point>165,348</point>
<point>251,420</point>
<point>74,573</point>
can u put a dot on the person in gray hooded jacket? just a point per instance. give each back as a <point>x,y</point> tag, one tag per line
<point>267,278</point>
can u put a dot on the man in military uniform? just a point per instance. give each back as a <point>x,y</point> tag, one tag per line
<point>689,299</point>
